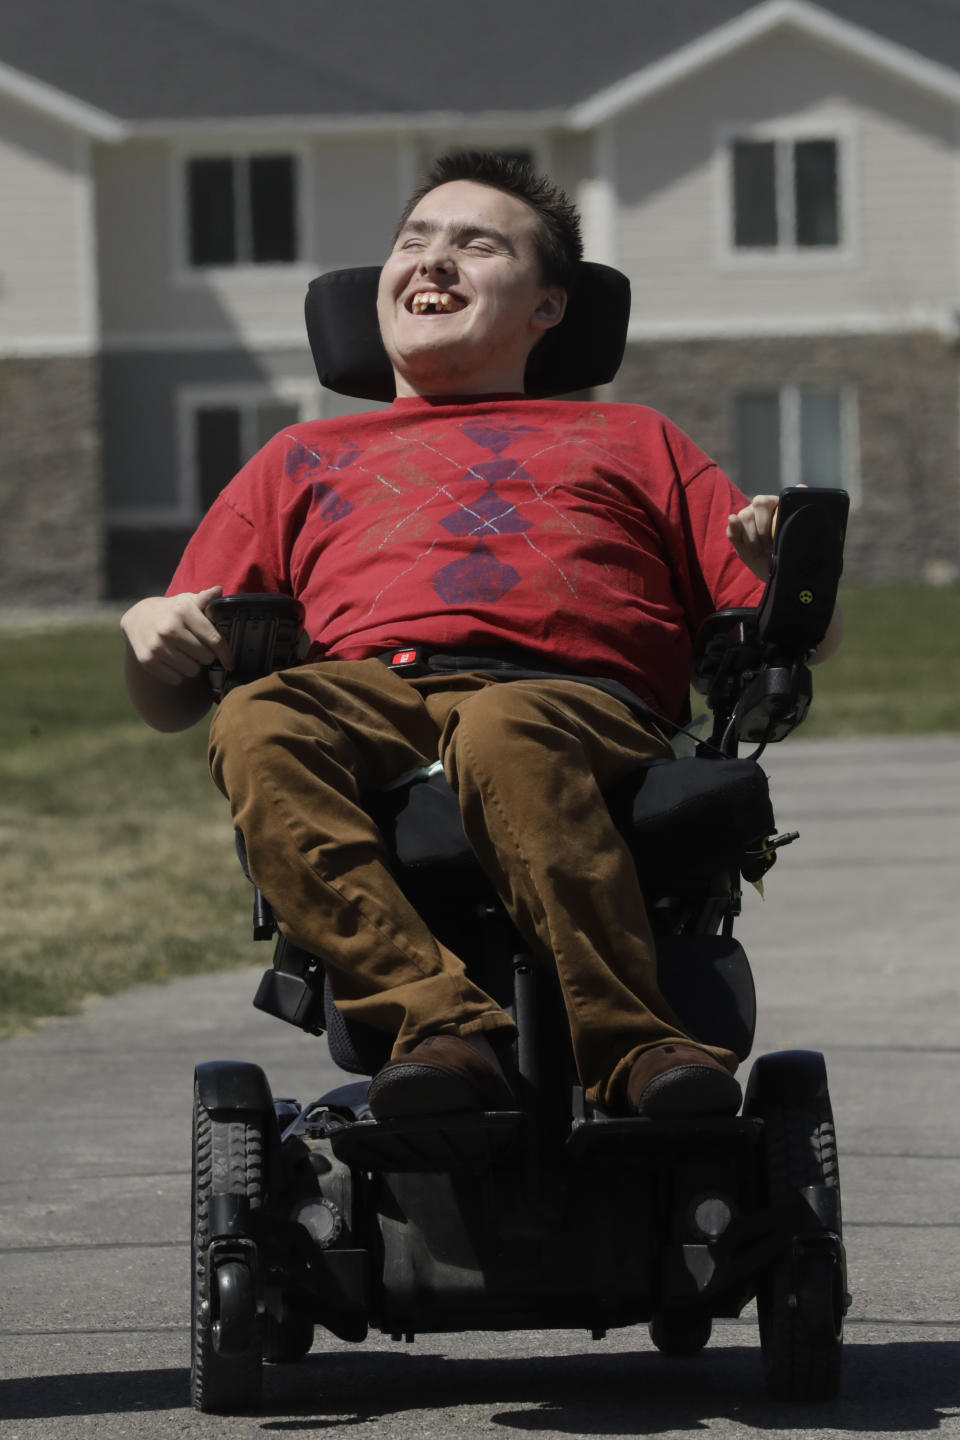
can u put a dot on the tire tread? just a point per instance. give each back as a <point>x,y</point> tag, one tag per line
<point>228,1160</point>
<point>801,1150</point>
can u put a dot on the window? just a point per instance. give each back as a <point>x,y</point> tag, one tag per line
<point>786,194</point>
<point>795,436</point>
<point>225,435</point>
<point>242,210</point>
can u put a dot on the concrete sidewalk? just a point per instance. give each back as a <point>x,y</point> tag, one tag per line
<point>855,953</point>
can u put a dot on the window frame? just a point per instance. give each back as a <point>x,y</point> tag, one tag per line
<point>784,136</point>
<point>185,509</point>
<point>246,398</point>
<point>243,271</point>
<point>790,431</point>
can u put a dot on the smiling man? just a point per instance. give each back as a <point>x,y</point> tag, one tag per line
<point>581,543</point>
<point>463,297</point>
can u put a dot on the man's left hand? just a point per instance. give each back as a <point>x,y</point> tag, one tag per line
<point>750,531</point>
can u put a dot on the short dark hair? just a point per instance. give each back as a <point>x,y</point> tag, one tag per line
<point>557,238</point>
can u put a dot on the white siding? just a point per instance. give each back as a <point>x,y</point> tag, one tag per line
<point>47,284</point>
<point>358,193</point>
<point>151,296</point>
<point>897,163</point>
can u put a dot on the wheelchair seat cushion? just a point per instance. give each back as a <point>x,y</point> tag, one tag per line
<point>694,815</point>
<point>678,816</point>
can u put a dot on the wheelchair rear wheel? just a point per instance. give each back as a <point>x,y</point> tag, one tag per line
<point>801,1301</point>
<point>226,1328</point>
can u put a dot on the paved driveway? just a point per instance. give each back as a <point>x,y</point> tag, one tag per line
<point>855,953</point>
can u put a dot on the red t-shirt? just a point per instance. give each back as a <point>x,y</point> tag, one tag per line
<point>588,533</point>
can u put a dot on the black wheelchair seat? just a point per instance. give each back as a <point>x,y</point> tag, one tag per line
<point>689,823</point>
<point>681,818</point>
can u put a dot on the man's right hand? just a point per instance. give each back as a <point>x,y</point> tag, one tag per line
<point>170,643</point>
<point>171,638</point>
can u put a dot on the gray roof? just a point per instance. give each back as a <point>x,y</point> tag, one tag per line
<point>187,59</point>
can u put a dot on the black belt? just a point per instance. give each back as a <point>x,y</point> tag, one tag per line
<point>413,661</point>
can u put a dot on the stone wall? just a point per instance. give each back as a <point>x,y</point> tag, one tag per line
<point>51,509</point>
<point>906,526</point>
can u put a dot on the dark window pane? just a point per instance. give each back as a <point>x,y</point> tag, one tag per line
<point>213,238</point>
<point>757,440</point>
<point>754,193</point>
<point>217,442</point>
<point>272,208</point>
<point>821,441</point>
<point>815,191</point>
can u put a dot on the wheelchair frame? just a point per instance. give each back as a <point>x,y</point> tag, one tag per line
<point>555,1215</point>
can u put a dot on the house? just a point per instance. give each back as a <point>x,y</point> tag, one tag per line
<point>779,179</point>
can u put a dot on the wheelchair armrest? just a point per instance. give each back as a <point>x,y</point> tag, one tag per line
<point>263,631</point>
<point>756,692</point>
<point>727,643</point>
<point>751,663</point>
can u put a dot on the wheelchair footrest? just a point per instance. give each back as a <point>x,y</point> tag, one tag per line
<point>603,1140</point>
<point>432,1142</point>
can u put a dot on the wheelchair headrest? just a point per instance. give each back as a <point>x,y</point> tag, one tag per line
<point>583,351</point>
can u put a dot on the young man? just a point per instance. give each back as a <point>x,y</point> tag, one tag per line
<point>471,519</point>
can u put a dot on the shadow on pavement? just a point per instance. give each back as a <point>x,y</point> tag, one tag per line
<point>109,1392</point>
<point>903,1387</point>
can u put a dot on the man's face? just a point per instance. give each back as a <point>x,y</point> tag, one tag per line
<point>461,301</point>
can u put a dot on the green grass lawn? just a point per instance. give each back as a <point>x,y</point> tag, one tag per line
<point>116,852</point>
<point>898,671</point>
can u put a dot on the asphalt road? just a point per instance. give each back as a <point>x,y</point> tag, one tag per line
<point>855,953</point>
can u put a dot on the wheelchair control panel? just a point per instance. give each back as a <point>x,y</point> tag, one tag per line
<point>752,664</point>
<point>805,569</point>
<point>263,632</point>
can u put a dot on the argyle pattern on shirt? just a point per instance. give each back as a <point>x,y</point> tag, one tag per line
<point>591,534</point>
<point>481,510</point>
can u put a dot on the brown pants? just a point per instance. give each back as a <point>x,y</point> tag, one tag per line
<point>530,760</point>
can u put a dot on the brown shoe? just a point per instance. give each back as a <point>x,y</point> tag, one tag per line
<point>675,1080</point>
<point>440,1076</point>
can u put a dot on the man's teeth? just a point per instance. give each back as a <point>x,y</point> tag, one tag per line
<point>438,301</point>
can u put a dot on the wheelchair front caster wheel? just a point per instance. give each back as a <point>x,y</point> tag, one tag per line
<point>801,1328</point>
<point>226,1329</point>
<point>235,1328</point>
<point>679,1334</point>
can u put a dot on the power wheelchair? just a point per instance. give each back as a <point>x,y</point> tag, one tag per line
<point>554,1215</point>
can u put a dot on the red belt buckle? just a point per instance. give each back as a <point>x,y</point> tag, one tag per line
<point>410,661</point>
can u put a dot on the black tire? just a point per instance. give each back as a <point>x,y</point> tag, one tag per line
<point>235,1327</point>
<point>800,1303</point>
<point>680,1334</point>
<point>228,1159</point>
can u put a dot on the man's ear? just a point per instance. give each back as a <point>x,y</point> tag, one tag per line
<point>551,309</point>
